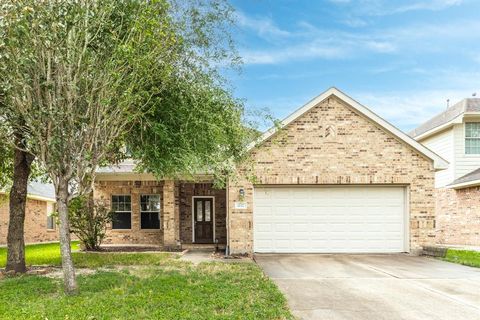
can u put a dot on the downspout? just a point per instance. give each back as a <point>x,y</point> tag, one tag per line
<point>227,248</point>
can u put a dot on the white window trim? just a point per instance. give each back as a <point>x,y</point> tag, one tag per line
<point>159,210</point>
<point>51,205</point>
<point>471,138</point>
<point>193,218</point>
<point>131,211</point>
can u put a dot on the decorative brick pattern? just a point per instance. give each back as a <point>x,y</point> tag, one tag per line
<point>35,222</point>
<point>104,191</point>
<point>333,145</point>
<point>458,216</point>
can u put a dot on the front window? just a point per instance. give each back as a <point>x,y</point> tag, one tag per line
<point>472,138</point>
<point>50,217</point>
<point>122,212</point>
<point>150,211</point>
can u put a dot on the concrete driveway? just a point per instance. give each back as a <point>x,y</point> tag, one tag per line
<point>376,287</point>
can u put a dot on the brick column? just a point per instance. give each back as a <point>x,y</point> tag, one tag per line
<point>171,221</point>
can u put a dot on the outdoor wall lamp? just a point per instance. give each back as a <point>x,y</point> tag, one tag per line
<point>241,192</point>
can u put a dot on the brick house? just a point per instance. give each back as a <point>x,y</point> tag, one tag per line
<point>335,178</point>
<point>40,226</point>
<point>455,135</point>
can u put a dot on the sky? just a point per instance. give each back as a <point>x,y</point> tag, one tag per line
<point>403,59</point>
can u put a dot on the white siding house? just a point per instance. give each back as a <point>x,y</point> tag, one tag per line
<point>464,163</point>
<point>443,145</point>
<point>454,135</point>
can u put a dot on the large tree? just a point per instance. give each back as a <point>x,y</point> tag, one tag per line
<point>88,76</point>
<point>15,172</point>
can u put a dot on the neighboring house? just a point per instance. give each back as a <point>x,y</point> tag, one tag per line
<point>335,178</point>
<point>40,226</point>
<point>455,135</point>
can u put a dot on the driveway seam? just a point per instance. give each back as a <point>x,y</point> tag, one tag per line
<point>440,293</point>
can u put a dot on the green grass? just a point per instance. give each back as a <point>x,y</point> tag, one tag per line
<point>49,254</point>
<point>159,286</point>
<point>466,257</point>
<point>39,254</point>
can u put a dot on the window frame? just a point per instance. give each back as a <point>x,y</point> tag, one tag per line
<point>470,139</point>
<point>113,212</point>
<point>158,212</point>
<point>51,205</point>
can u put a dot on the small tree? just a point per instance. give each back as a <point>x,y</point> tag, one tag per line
<point>84,75</point>
<point>77,73</point>
<point>88,220</point>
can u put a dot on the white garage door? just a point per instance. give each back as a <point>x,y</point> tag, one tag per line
<point>329,219</point>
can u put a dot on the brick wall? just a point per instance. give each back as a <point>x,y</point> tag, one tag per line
<point>183,191</point>
<point>105,189</point>
<point>331,144</point>
<point>187,191</point>
<point>35,222</point>
<point>458,216</point>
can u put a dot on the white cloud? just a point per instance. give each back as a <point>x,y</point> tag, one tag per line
<point>309,42</point>
<point>262,26</point>
<point>340,1</point>
<point>433,5</point>
<point>354,22</point>
<point>292,53</point>
<point>389,7</point>
<point>409,109</point>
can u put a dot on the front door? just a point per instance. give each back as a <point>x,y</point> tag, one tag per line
<point>203,220</point>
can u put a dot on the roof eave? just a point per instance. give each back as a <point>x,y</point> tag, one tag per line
<point>463,185</point>
<point>440,128</point>
<point>127,176</point>
<point>438,162</point>
<point>35,197</point>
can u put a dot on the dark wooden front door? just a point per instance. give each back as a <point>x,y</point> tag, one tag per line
<point>203,220</point>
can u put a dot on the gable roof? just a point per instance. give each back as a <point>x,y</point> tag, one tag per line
<point>438,162</point>
<point>469,180</point>
<point>39,191</point>
<point>470,105</point>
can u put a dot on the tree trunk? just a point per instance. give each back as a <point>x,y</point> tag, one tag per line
<point>67,263</point>
<point>18,199</point>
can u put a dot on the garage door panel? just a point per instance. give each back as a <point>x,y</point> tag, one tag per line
<point>337,219</point>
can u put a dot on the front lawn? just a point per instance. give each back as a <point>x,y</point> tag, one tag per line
<point>49,254</point>
<point>39,254</point>
<point>466,257</point>
<point>145,286</point>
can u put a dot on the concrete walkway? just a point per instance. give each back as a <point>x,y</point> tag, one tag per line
<point>197,256</point>
<point>334,287</point>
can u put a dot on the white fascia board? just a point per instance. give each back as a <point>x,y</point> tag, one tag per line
<point>36,197</point>
<point>427,134</point>
<point>134,176</point>
<point>463,185</point>
<point>438,162</point>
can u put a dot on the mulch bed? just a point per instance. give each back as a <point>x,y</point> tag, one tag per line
<point>128,249</point>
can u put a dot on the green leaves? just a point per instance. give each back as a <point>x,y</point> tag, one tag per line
<point>90,76</point>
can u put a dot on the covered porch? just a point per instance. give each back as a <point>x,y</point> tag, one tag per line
<point>170,214</point>
<point>194,215</point>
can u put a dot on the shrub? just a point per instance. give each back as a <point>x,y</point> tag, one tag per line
<point>88,220</point>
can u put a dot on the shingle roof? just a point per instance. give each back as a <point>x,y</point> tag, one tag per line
<point>35,189</point>
<point>127,166</point>
<point>466,105</point>
<point>44,190</point>
<point>469,177</point>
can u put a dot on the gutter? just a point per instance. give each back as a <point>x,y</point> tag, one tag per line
<point>36,197</point>
<point>463,185</point>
